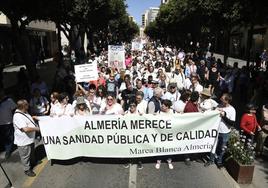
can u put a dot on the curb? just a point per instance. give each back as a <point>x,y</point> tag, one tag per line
<point>232,182</point>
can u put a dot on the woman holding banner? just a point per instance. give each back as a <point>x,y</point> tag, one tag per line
<point>81,108</point>
<point>165,109</point>
<point>64,108</point>
<point>112,107</point>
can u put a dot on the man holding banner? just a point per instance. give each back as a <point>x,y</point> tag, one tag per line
<point>228,115</point>
<point>25,129</point>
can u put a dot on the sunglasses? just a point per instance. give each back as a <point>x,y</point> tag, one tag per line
<point>110,99</point>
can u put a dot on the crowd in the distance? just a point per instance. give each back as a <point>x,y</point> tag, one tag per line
<point>158,79</point>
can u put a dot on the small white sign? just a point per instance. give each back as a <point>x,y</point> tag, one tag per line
<point>137,46</point>
<point>86,72</point>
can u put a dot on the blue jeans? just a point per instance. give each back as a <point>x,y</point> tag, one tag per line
<point>220,150</point>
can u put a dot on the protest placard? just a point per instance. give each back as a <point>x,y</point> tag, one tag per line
<point>86,72</point>
<point>116,56</point>
<point>136,46</point>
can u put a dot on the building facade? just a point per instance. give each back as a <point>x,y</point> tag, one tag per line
<point>42,35</point>
<point>239,41</point>
<point>149,16</point>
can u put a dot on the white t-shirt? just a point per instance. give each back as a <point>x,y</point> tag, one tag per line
<point>198,88</point>
<point>6,108</point>
<point>208,104</point>
<point>179,106</point>
<point>187,83</point>
<point>141,108</point>
<point>53,106</point>
<point>20,121</point>
<point>172,96</point>
<point>60,110</point>
<point>230,114</point>
<point>169,112</point>
<point>116,110</point>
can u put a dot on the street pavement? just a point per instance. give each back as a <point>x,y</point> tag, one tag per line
<point>103,173</point>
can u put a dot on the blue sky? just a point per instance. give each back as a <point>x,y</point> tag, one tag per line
<point>137,7</point>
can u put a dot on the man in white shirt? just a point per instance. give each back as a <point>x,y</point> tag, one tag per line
<point>228,115</point>
<point>173,94</point>
<point>25,129</point>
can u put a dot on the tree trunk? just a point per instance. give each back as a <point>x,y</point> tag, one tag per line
<point>22,43</point>
<point>227,34</point>
<point>249,44</point>
<point>90,40</point>
<point>60,57</point>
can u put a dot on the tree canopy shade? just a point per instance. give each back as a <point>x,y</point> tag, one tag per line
<point>181,20</point>
<point>102,20</point>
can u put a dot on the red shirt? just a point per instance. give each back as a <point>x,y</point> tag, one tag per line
<point>190,107</point>
<point>249,123</point>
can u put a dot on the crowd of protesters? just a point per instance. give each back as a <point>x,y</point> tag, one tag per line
<point>157,79</point>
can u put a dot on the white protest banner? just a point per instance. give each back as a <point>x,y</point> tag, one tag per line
<point>129,136</point>
<point>86,72</point>
<point>116,56</point>
<point>136,46</point>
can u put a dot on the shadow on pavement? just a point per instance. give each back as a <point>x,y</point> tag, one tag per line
<point>264,163</point>
<point>144,160</point>
<point>40,152</point>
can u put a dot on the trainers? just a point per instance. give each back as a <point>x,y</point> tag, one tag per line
<point>170,165</point>
<point>30,173</point>
<point>157,165</point>
<point>207,164</point>
<point>139,166</point>
<point>127,165</point>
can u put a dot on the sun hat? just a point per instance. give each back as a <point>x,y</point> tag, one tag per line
<point>80,100</point>
<point>206,92</point>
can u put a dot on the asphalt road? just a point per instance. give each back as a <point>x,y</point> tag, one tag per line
<point>103,173</point>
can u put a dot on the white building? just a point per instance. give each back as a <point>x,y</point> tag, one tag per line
<point>164,1</point>
<point>149,16</point>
